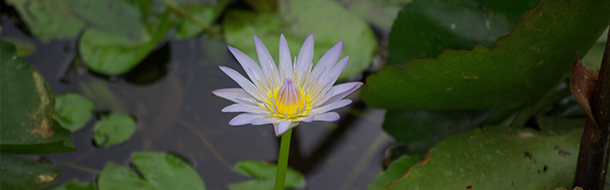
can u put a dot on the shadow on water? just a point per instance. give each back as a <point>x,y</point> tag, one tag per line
<point>169,94</point>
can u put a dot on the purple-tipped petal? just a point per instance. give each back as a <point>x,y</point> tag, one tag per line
<point>243,108</point>
<point>231,93</point>
<point>285,59</point>
<point>266,61</point>
<point>327,61</point>
<point>266,120</point>
<point>305,56</point>
<point>244,118</point>
<point>282,127</point>
<point>340,91</point>
<point>331,77</point>
<point>332,106</point>
<point>308,119</point>
<point>242,81</point>
<point>329,116</point>
<point>250,66</point>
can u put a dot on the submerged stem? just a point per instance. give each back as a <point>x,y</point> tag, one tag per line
<point>282,163</point>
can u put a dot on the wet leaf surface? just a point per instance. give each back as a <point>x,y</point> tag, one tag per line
<point>72,111</point>
<point>499,158</point>
<point>521,67</point>
<point>74,184</point>
<point>28,127</point>
<point>158,171</point>
<point>421,130</point>
<point>113,130</point>
<point>266,174</point>
<point>327,20</point>
<point>396,169</point>
<point>19,173</point>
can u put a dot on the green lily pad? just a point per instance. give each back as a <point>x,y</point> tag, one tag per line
<point>421,130</point>
<point>18,173</point>
<point>49,19</point>
<point>424,29</point>
<point>499,158</point>
<point>28,128</point>
<point>72,111</point>
<point>327,20</point>
<point>207,14</point>
<point>396,169</point>
<point>113,130</point>
<point>266,174</point>
<point>74,184</point>
<point>521,67</point>
<point>115,54</point>
<point>158,171</point>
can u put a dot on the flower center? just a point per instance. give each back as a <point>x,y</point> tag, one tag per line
<point>289,100</point>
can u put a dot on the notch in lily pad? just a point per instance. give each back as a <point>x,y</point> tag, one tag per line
<point>72,111</point>
<point>114,129</point>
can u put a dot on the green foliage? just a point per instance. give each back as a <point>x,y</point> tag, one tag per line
<point>18,173</point>
<point>327,20</point>
<point>266,174</point>
<point>28,128</point>
<point>521,68</point>
<point>158,171</point>
<point>203,12</point>
<point>72,111</point>
<point>396,169</point>
<point>74,184</point>
<point>499,158</point>
<point>113,130</point>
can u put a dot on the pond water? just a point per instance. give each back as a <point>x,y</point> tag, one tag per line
<point>169,95</point>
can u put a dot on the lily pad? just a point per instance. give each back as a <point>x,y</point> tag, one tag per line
<point>327,20</point>
<point>72,111</point>
<point>48,20</point>
<point>521,67</point>
<point>266,174</point>
<point>28,128</point>
<point>207,14</point>
<point>158,171</point>
<point>18,173</point>
<point>74,184</point>
<point>498,158</point>
<point>396,169</point>
<point>113,130</point>
<point>424,29</point>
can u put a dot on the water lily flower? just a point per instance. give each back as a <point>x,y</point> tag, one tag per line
<point>290,94</point>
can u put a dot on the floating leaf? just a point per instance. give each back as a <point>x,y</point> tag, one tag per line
<point>396,169</point>
<point>18,173</point>
<point>158,171</point>
<point>521,67</point>
<point>421,130</point>
<point>327,20</point>
<point>498,158</point>
<point>424,28</point>
<point>378,13</point>
<point>72,111</point>
<point>28,127</point>
<point>74,184</point>
<point>205,13</point>
<point>266,174</point>
<point>113,130</point>
<point>49,19</point>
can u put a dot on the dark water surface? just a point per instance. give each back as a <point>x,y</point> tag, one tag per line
<point>169,95</point>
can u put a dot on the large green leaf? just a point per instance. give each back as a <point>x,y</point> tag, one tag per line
<point>396,169</point>
<point>158,171</point>
<point>74,184</point>
<point>27,125</point>
<point>424,28</point>
<point>421,130</point>
<point>499,158</point>
<point>49,19</point>
<point>205,13</point>
<point>327,20</point>
<point>115,54</point>
<point>522,66</point>
<point>266,174</point>
<point>72,111</point>
<point>18,173</point>
<point>113,130</point>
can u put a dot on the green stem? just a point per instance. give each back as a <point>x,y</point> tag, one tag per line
<point>282,163</point>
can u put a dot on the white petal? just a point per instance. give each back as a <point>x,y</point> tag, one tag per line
<point>308,119</point>
<point>250,66</point>
<point>265,120</point>
<point>266,61</point>
<point>231,93</point>
<point>242,81</point>
<point>329,116</point>
<point>327,61</point>
<point>330,78</point>
<point>285,60</point>
<point>332,106</point>
<point>243,108</point>
<point>340,91</point>
<point>305,56</point>
<point>244,118</point>
<point>282,127</point>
